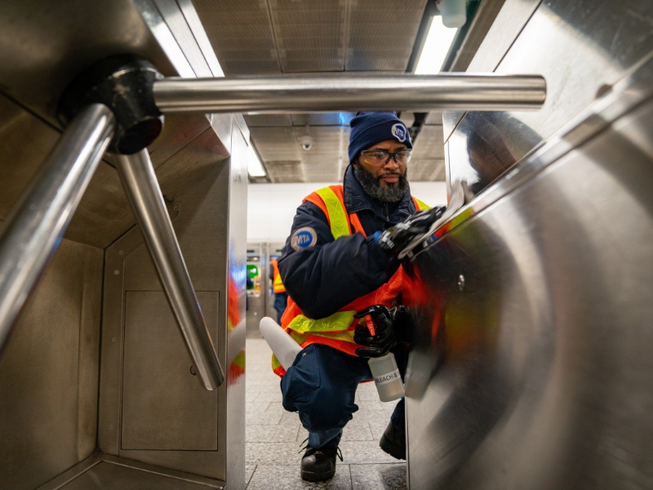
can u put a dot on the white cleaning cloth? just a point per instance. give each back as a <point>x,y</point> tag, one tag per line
<point>282,344</point>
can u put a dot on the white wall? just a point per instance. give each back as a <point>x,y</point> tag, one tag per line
<point>271,207</point>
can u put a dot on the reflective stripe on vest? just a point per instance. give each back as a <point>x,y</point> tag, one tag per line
<point>337,214</point>
<point>277,284</point>
<point>337,330</point>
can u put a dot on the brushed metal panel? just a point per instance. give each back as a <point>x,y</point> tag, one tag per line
<point>236,317</point>
<point>310,35</point>
<point>483,20</point>
<point>108,476</point>
<point>184,36</point>
<point>241,34</point>
<point>202,230</point>
<point>49,376</point>
<point>275,143</point>
<point>381,34</point>
<point>100,472</point>
<point>191,164</point>
<point>44,46</point>
<point>531,365</point>
<point>201,225</point>
<point>428,143</point>
<point>103,213</point>
<point>280,171</point>
<point>254,120</point>
<point>286,161</point>
<point>510,20</point>
<point>24,143</point>
<point>427,162</point>
<point>433,118</point>
<point>163,405</point>
<point>177,132</point>
<point>602,41</point>
<point>25,140</point>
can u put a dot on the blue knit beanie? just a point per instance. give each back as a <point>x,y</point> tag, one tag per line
<point>369,128</point>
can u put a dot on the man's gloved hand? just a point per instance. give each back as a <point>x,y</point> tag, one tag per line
<point>395,239</point>
<point>382,339</point>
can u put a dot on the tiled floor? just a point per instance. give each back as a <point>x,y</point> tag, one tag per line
<point>274,437</point>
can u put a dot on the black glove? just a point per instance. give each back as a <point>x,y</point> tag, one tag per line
<point>395,239</point>
<point>383,319</point>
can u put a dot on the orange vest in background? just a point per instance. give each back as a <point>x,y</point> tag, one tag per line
<point>277,285</point>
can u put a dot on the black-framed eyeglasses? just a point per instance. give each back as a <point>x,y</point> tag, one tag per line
<point>381,157</point>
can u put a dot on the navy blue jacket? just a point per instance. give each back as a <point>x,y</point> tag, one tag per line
<point>326,276</point>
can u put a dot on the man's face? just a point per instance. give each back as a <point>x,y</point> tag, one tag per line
<point>383,179</point>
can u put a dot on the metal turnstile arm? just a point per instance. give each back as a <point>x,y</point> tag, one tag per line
<point>142,189</point>
<point>41,217</point>
<point>284,94</point>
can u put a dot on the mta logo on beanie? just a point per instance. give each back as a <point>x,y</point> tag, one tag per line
<point>399,131</point>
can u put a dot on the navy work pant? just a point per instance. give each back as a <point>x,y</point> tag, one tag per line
<point>321,385</point>
<point>280,301</point>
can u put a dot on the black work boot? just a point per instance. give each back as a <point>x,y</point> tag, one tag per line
<point>319,464</point>
<point>393,441</point>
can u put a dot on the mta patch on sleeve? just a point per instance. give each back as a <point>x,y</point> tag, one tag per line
<point>303,238</point>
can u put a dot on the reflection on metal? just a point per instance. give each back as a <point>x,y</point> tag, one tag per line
<point>41,217</point>
<point>115,472</point>
<point>623,97</point>
<point>345,93</point>
<point>139,181</point>
<point>530,366</point>
<point>602,49</point>
<point>538,374</point>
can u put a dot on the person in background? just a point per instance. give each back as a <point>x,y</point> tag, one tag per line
<point>279,290</point>
<point>338,265</point>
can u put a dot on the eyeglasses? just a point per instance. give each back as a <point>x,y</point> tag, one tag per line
<point>382,157</point>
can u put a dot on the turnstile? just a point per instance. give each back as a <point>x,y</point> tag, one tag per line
<point>96,378</point>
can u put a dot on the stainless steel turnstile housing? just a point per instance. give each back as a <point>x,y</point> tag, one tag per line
<point>96,385</point>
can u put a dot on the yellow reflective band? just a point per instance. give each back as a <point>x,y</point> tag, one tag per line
<point>337,214</point>
<point>346,336</point>
<point>337,322</point>
<point>422,205</point>
<point>275,362</point>
<point>277,285</point>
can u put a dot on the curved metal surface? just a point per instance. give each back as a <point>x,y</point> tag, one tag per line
<point>582,48</point>
<point>40,218</point>
<point>312,93</point>
<point>531,365</point>
<point>142,189</point>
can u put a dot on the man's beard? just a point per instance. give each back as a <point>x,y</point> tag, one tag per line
<point>372,186</point>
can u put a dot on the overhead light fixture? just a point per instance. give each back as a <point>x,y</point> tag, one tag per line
<point>254,165</point>
<point>435,49</point>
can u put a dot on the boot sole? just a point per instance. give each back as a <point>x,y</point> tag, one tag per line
<point>310,476</point>
<point>392,449</point>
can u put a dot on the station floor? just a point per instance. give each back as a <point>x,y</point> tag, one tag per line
<point>274,437</point>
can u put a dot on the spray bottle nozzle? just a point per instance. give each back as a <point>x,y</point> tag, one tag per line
<point>370,325</point>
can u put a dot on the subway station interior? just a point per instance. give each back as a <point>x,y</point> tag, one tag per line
<point>153,154</point>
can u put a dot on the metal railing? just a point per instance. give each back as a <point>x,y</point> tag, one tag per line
<point>40,218</point>
<point>348,92</point>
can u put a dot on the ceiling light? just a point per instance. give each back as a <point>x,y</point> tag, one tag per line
<point>435,49</point>
<point>254,165</point>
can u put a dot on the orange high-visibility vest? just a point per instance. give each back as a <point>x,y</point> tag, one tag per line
<point>337,330</point>
<point>277,284</point>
